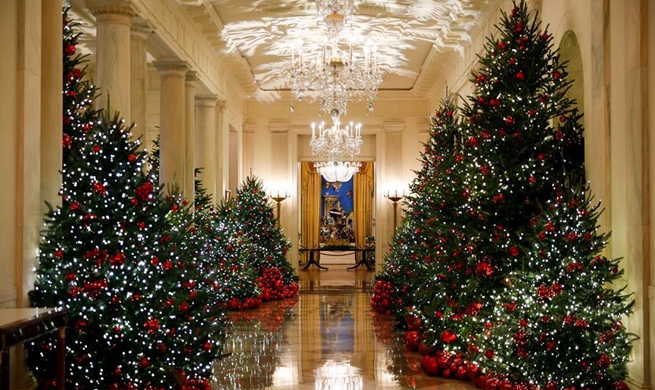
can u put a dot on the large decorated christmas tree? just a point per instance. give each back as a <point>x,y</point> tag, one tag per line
<point>427,245</point>
<point>527,300</point>
<point>114,255</point>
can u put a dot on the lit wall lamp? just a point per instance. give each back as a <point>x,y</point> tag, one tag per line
<point>279,198</point>
<point>394,197</point>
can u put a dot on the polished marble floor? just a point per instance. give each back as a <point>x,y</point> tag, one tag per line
<point>327,338</point>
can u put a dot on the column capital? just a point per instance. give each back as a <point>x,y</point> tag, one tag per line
<point>278,127</point>
<point>140,28</point>
<point>394,126</point>
<point>173,67</point>
<point>191,76</point>
<point>249,128</point>
<point>110,9</point>
<point>221,104</point>
<point>206,100</point>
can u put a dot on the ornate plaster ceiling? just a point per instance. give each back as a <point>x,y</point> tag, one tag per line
<point>413,37</point>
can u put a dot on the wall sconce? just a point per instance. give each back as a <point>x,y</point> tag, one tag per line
<point>394,197</point>
<point>279,198</point>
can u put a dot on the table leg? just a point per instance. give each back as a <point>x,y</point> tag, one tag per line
<point>312,261</point>
<point>361,262</point>
<point>61,358</point>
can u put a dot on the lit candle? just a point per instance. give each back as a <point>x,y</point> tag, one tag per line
<point>313,130</point>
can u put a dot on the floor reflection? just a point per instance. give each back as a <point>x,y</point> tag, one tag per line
<point>325,339</point>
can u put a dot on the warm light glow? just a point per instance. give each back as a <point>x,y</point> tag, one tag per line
<point>337,171</point>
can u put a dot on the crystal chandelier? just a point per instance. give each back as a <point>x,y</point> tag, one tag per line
<point>335,142</point>
<point>337,171</point>
<point>334,13</point>
<point>335,72</point>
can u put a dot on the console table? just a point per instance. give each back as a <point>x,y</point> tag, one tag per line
<point>20,325</point>
<point>313,261</point>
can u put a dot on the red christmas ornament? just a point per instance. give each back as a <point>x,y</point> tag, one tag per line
<point>557,75</point>
<point>67,141</point>
<point>489,354</point>
<point>411,339</point>
<point>621,386</point>
<point>514,251</point>
<point>520,76</point>
<point>484,269</point>
<point>69,49</point>
<point>448,336</point>
<point>430,365</point>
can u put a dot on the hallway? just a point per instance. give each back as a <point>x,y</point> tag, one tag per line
<point>327,338</point>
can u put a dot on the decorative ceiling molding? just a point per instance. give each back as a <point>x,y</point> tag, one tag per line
<point>278,127</point>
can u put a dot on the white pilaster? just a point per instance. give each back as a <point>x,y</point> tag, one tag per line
<point>51,102</point>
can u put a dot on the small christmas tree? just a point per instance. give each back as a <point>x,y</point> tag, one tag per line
<point>254,215</point>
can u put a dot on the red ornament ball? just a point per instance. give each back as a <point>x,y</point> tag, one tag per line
<point>430,365</point>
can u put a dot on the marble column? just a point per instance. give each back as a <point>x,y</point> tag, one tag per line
<point>113,22</point>
<point>205,142</point>
<point>138,74</point>
<point>51,102</point>
<point>631,172</point>
<point>222,151</point>
<point>189,134</point>
<point>172,124</point>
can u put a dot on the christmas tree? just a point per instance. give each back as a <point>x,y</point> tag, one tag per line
<point>253,213</point>
<point>528,304</point>
<point>114,255</point>
<point>230,251</point>
<point>557,324</point>
<point>427,247</point>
